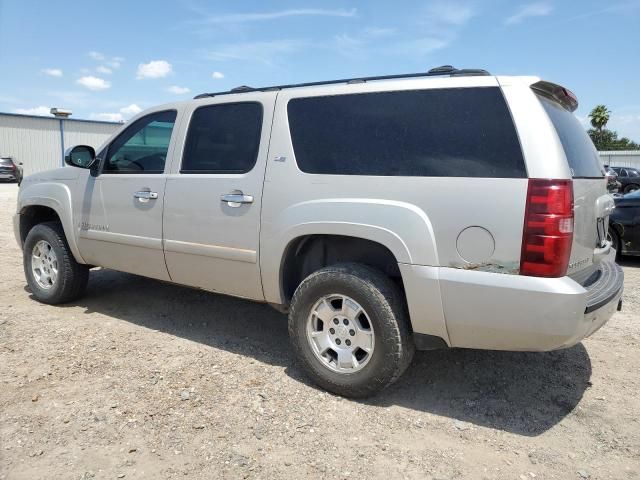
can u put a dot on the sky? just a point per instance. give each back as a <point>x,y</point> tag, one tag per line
<point>108,60</point>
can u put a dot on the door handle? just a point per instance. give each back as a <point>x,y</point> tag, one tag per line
<point>144,196</point>
<point>236,198</point>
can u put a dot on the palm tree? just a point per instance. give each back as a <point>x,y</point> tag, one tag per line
<point>599,117</point>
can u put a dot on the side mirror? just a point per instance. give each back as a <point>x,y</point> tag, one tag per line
<point>81,156</point>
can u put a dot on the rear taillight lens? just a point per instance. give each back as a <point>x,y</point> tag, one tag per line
<point>548,228</point>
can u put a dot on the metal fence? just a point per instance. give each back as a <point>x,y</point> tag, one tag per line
<point>621,158</point>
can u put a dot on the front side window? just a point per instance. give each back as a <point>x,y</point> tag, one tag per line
<point>223,138</point>
<point>449,132</point>
<point>143,146</point>
<point>623,173</point>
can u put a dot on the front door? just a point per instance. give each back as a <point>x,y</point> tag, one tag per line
<point>214,195</point>
<point>121,213</point>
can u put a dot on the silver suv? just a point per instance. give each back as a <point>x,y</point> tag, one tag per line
<point>445,209</point>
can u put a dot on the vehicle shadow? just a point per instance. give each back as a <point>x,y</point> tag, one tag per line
<point>523,393</point>
<point>628,261</point>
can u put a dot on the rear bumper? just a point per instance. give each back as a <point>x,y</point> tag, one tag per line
<point>497,311</point>
<point>8,176</point>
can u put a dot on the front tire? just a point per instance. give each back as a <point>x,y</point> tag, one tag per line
<point>349,329</point>
<point>631,188</point>
<point>53,275</point>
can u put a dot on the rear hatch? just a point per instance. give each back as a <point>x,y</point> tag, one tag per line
<point>592,203</point>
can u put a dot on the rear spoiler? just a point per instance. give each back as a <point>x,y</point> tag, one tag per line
<point>563,96</point>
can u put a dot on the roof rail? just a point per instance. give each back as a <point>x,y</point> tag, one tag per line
<point>438,71</point>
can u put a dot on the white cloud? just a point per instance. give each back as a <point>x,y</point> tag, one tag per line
<point>110,62</point>
<point>448,13</point>
<point>441,23</point>
<point>121,116</point>
<point>104,70</point>
<point>93,83</point>
<point>376,32</point>
<point>130,110</point>
<point>256,17</point>
<point>107,117</point>
<point>421,46</point>
<point>154,69</point>
<point>537,9</point>
<point>175,89</point>
<point>96,56</point>
<point>264,52</point>
<point>217,75</point>
<point>115,62</point>
<point>52,72</point>
<point>40,111</point>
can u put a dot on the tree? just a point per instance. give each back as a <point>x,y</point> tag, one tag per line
<point>603,138</point>
<point>608,140</point>
<point>599,117</point>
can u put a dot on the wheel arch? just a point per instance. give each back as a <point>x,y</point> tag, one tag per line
<point>305,254</point>
<point>401,228</point>
<point>47,202</point>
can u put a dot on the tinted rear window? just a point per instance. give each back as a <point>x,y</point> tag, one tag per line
<point>581,153</point>
<point>455,132</point>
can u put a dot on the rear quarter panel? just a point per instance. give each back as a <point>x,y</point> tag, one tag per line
<point>419,219</point>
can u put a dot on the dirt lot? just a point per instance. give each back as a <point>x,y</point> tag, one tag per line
<point>142,379</point>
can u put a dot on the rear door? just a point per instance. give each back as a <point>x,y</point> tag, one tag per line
<point>592,203</point>
<point>214,195</point>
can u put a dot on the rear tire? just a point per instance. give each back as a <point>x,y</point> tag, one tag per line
<point>363,308</point>
<point>53,275</point>
<point>631,188</point>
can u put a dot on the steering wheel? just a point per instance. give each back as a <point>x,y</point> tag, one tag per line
<point>137,164</point>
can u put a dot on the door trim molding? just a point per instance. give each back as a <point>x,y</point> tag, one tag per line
<point>216,251</point>
<point>122,238</point>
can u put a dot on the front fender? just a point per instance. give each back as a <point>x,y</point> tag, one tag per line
<point>56,196</point>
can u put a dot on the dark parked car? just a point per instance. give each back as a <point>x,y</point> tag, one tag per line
<point>628,177</point>
<point>9,170</point>
<point>613,185</point>
<point>624,224</point>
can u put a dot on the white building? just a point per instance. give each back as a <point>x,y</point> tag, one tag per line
<point>39,142</point>
<point>621,158</point>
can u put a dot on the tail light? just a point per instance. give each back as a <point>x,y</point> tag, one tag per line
<point>548,228</point>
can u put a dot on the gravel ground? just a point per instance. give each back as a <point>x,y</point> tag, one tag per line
<point>142,379</point>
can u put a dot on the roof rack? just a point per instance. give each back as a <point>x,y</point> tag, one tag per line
<point>443,70</point>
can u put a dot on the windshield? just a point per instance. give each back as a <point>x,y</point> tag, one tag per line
<point>581,153</point>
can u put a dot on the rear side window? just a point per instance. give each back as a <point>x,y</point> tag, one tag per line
<point>579,149</point>
<point>454,132</point>
<point>223,138</point>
